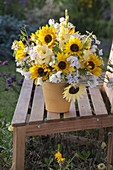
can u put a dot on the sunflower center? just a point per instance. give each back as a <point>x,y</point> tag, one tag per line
<point>74,48</point>
<point>62,65</point>
<point>48,38</point>
<point>73,90</point>
<point>91,64</point>
<point>41,72</point>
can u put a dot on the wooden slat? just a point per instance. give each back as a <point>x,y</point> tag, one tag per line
<point>37,111</point>
<point>53,116</point>
<point>97,100</point>
<point>72,111</point>
<point>84,105</point>
<point>23,103</point>
<point>109,91</point>
<point>69,125</point>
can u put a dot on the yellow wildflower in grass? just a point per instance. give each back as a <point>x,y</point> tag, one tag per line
<point>59,157</point>
<point>10,128</point>
<point>101,166</point>
<point>103,145</point>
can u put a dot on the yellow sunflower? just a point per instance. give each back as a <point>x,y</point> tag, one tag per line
<point>47,35</point>
<point>19,53</point>
<point>93,64</point>
<point>74,47</point>
<point>62,64</point>
<point>73,92</point>
<point>39,71</point>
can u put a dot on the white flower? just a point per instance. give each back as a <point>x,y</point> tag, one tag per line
<point>51,21</point>
<point>74,61</point>
<point>72,78</point>
<point>93,82</point>
<point>62,19</point>
<point>18,63</point>
<point>58,74</point>
<point>55,78</point>
<point>111,80</point>
<point>33,54</point>
<point>26,49</point>
<point>44,54</point>
<point>93,49</point>
<point>24,73</point>
<point>39,82</point>
<point>97,42</point>
<point>100,52</point>
<point>14,45</point>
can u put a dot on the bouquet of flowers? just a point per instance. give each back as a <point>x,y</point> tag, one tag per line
<point>58,53</point>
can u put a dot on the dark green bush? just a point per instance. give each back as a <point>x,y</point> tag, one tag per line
<point>9,31</point>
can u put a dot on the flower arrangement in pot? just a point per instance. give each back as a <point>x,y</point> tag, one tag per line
<point>57,54</point>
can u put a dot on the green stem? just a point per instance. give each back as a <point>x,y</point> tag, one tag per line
<point>66,16</point>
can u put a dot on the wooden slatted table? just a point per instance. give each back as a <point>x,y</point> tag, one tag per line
<point>31,118</point>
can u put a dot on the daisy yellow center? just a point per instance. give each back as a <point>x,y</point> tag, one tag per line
<point>74,48</point>
<point>48,38</point>
<point>62,65</point>
<point>73,90</point>
<point>41,72</point>
<point>91,64</point>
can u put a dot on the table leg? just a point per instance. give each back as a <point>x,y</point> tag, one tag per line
<point>110,149</point>
<point>18,148</point>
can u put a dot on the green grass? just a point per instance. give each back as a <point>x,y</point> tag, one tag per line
<point>8,100</point>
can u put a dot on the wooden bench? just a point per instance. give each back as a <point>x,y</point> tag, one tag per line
<point>31,119</point>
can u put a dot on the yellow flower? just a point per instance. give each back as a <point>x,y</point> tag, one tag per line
<point>64,35</point>
<point>74,47</point>
<point>62,64</point>
<point>73,93</point>
<point>19,52</point>
<point>59,157</point>
<point>93,64</point>
<point>47,35</point>
<point>103,145</point>
<point>39,71</point>
<point>34,37</point>
<point>101,166</point>
<point>10,128</point>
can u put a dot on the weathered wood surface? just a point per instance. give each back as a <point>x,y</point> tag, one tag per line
<point>22,107</point>
<point>30,108</point>
<point>109,91</point>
